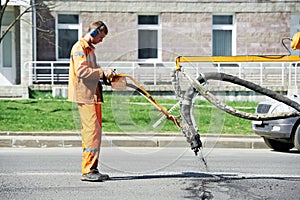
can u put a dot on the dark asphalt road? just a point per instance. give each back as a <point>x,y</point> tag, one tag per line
<point>151,173</point>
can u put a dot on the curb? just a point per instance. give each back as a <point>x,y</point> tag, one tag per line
<point>73,139</point>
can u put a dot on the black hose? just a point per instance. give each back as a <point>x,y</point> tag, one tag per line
<point>232,79</point>
<point>252,86</point>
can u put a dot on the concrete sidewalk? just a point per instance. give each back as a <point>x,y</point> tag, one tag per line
<point>73,139</point>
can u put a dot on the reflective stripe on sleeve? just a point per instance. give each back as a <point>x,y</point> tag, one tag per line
<point>78,53</point>
<point>91,149</point>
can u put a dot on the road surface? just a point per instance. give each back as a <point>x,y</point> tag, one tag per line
<point>151,173</point>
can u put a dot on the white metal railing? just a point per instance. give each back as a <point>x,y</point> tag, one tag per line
<point>275,74</point>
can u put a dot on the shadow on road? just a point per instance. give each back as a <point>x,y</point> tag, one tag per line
<point>206,186</point>
<point>206,176</point>
<point>159,176</point>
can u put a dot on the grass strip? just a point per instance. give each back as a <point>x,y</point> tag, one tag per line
<point>121,113</point>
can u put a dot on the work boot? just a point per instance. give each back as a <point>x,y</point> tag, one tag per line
<point>94,176</point>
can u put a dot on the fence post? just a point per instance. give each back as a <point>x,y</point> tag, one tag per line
<point>290,74</point>
<point>240,70</point>
<point>52,73</point>
<point>133,68</point>
<point>261,74</point>
<point>282,74</point>
<point>219,70</point>
<point>35,74</point>
<point>154,73</point>
<point>296,71</point>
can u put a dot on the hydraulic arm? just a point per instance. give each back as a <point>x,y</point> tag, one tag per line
<point>187,124</point>
<point>189,127</point>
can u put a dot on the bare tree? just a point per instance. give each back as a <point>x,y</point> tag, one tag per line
<point>28,5</point>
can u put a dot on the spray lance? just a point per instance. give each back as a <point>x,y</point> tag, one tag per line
<point>119,82</point>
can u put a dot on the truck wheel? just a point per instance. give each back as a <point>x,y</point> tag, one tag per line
<point>277,145</point>
<point>297,138</point>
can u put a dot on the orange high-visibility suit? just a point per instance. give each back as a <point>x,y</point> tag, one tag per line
<point>85,90</point>
<point>296,41</point>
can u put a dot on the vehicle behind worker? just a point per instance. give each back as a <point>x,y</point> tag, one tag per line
<point>282,134</point>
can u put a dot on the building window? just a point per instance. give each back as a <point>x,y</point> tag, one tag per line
<point>7,49</point>
<point>149,37</point>
<point>223,35</point>
<point>7,45</point>
<point>68,32</point>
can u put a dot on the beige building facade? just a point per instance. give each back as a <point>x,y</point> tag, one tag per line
<point>158,31</point>
<point>184,27</point>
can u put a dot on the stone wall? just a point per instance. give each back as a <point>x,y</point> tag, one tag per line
<point>186,26</point>
<point>261,33</point>
<point>26,54</point>
<point>45,35</point>
<point>120,44</point>
<point>187,34</point>
<point>160,6</point>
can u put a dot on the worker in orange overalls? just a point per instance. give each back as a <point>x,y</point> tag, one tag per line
<point>85,89</point>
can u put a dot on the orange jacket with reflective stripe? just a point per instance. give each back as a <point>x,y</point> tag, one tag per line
<point>84,74</point>
<point>296,41</point>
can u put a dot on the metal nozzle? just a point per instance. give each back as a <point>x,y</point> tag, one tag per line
<point>196,144</point>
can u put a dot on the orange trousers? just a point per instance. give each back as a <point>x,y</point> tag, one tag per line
<point>91,131</point>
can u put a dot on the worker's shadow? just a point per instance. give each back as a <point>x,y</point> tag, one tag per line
<point>165,176</point>
<point>205,176</point>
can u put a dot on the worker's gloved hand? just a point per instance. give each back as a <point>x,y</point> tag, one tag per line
<point>108,73</point>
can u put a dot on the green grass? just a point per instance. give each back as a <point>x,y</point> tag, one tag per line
<point>121,112</point>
